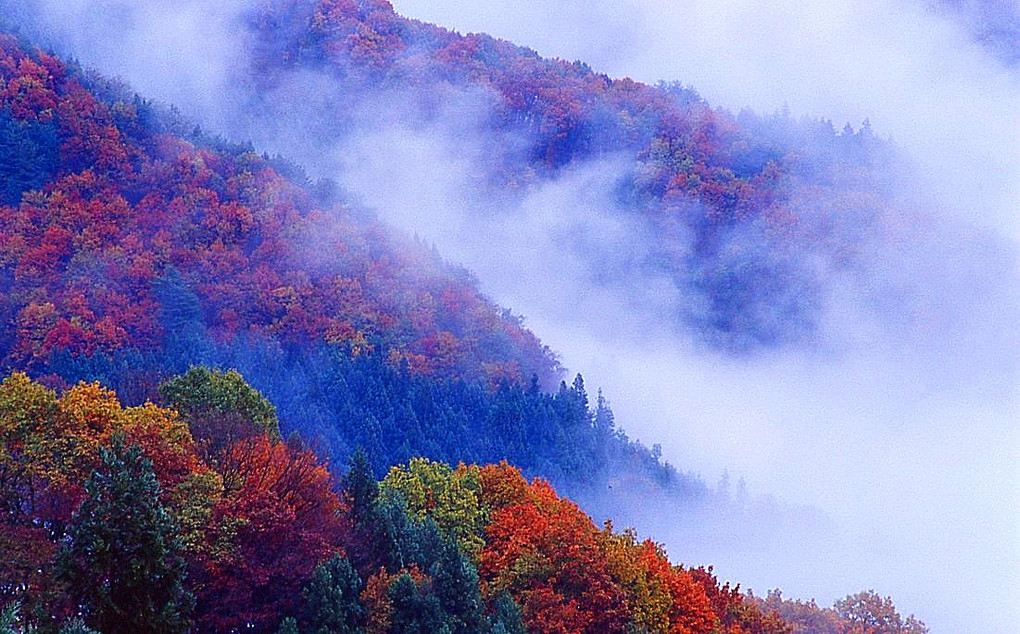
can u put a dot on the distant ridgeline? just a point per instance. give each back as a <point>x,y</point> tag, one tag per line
<point>740,211</point>
<point>199,518</point>
<point>132,248</point>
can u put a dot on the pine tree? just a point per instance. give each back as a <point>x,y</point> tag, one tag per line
<point>122,560</point>
<point>605,422</point>
<point>507,617</point>
<point>10,614</point>
<point>416,609</point>
<point>360,490</point>
<point>456,586</point>
<point>76,626</point>
<point>186,341</point>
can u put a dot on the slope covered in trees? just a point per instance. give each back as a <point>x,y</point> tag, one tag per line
<point>118,234</point>
<point>741,213</point>
<point>162,519</point>
<point>132,247</point>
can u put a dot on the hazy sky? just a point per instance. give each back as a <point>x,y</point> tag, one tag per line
<point>905,432</point>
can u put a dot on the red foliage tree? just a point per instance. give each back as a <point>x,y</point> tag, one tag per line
<point>277,520</point>
<point>736,613</point>
<point>543,550</point>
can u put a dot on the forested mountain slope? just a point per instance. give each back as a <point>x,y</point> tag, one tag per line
<point>743,214</point>
<point>132,247</point>
<point>102,196</point>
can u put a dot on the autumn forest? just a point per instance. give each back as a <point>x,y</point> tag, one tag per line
<point>235,400</point>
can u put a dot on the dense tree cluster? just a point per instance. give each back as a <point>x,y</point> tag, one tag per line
<point>396,414</point>
<point>108,510</point>
<point>133,252</point>
<point>167,536</point>
<point>339,403</point>
<point>132,249</point>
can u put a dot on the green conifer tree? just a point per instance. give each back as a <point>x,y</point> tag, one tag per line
<point>122,559</point>
<point>331,599</point>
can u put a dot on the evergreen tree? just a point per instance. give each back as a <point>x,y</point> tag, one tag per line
<point>77,626</point>
<point>416,608</point>
<point>605,422</point>
<point>456,586</point>
<point>9,616</point>
<point>29,154</point>
<point>360,491</point>
<point>331,599</point>
<point>403,540</point>
<point>186,341</point>
<point>122,560</point>
<point>507,617</point>
<point>581,396</point>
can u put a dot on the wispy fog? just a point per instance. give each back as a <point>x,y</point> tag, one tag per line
<point>918,77</point>
<point>897,431</point>
<point>908,431</point>
<point>900,424</point>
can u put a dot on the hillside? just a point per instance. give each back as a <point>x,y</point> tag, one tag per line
<point>132,247</point>
<point>199,518</point>
<point>743,215</point>
<point>105,195</point>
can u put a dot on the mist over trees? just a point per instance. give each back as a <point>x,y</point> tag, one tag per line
<point>134,246</point>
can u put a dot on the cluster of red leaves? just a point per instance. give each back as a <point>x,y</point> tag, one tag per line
<point>282,518</point>
<point>544,551</point>
<point>568,576</point>
<point>737,613</point>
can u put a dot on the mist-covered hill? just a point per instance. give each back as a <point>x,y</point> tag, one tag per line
<point>651,230</point>
<point>739,220</point>
<point>736,221</point>
<point>102,196</point>
<point>134,247</point>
